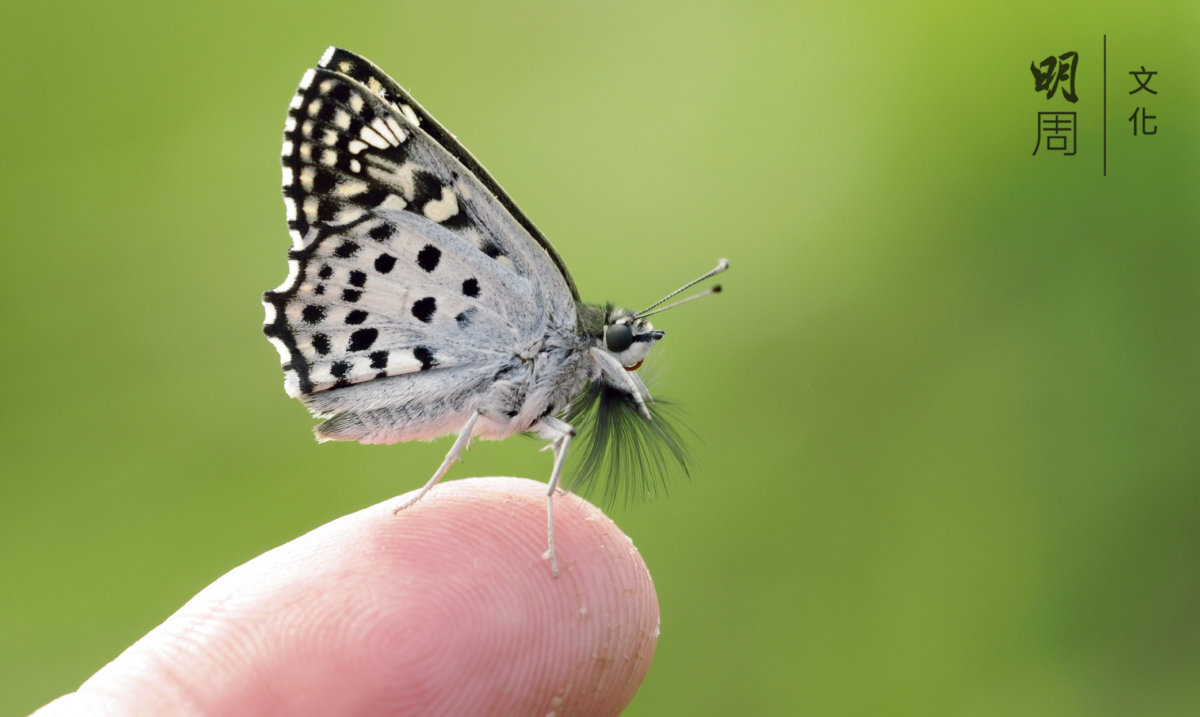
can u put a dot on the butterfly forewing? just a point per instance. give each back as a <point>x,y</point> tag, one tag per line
<point>404,257</point>
<point>365,72</point>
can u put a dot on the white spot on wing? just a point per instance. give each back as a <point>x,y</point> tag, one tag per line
<point>356,145</point>
<point>410,115</point>
<point>350,189</point>
<point>289,206</point>
<point>439,210</point>
<point>393,201</point>
<point>306,177</point>
<point>372,138</point>
<point>357,102</point>
<point>329,158</point>
<point>379,126</point>
<point>341,119</point>
<point>288,177</point>
<point>327,56</point>
<point>346,215</point>
<point>394,126</point>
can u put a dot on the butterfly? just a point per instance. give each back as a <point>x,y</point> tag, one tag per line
<point>421,302</point>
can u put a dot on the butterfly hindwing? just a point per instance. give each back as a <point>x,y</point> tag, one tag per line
<point>365,306</point>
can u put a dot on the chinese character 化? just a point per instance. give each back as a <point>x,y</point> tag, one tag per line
<point>1145,129</point>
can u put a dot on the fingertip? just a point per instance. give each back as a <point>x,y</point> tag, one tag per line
<point>580,643</point>
<point>448,607</point>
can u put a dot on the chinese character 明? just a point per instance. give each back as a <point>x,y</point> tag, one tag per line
<point>1059,130</point>
<point>1143,84</point>
<point>1056,70</point>
<point>1145,129</point>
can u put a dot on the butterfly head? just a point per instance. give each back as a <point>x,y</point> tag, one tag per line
<point>628,337</point>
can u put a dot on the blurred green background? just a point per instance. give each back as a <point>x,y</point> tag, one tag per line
<point>947,406</point>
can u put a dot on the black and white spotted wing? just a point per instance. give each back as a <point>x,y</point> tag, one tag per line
<point>407,256</point>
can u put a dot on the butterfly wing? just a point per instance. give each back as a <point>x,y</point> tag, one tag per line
<point>366,73</point>
<point>407,258</point>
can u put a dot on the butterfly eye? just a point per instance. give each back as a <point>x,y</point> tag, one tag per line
<point>618,337</point>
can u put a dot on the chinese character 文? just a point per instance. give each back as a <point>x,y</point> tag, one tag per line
<point>1059,130</point>
<point>1055,70</point>
<point>1143,84</point>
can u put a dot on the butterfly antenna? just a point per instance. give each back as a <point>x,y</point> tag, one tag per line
<point>722,265</point>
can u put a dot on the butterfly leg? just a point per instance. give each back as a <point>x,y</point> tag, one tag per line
<point>464,436</point>
<point>559,433</point>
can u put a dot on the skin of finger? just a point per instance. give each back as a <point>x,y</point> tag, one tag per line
<point>447,608</point>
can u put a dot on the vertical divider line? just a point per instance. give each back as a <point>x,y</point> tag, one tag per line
<point>1104,107</point>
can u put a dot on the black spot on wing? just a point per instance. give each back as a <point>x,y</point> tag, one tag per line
<point>340,92</point>
<point>428,257</point>
<point>313,314</point>
<point>384,263</point>
<point>323,181</point>
<point>383,232</point>
<point>340,369</point>
<point>327,209</point>
<point>424,354</point>
<point>423,309</point>
<point>362,339</point>
<point>321,343</point>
